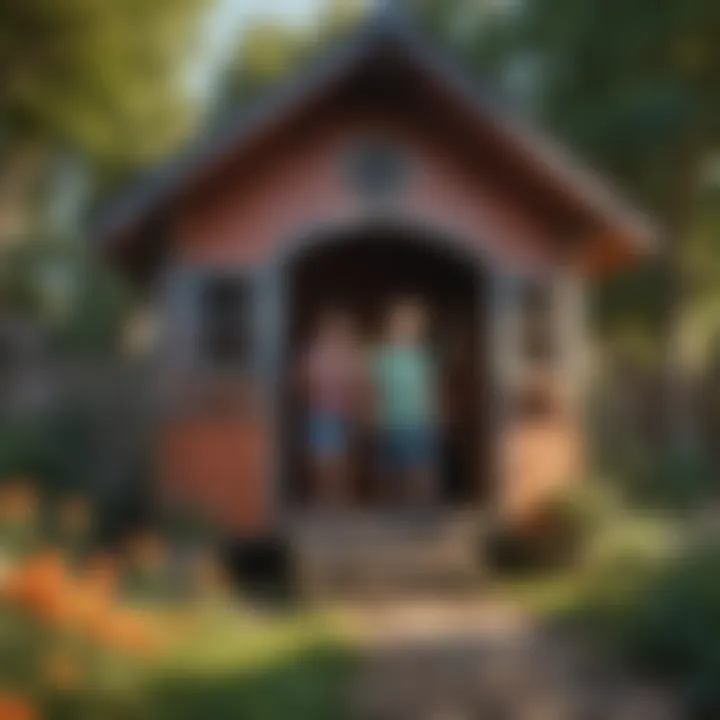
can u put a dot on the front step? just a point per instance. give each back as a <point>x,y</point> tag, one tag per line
<point>383,552</point>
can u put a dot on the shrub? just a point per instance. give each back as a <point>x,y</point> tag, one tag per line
<point>553,536</point>
<point>674,480</point>
<point>68,633</point>
<point>663,618</point>
<point>77,642</point>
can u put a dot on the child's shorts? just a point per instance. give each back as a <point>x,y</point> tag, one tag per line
<point>328,435</point>
<point>406,448</point>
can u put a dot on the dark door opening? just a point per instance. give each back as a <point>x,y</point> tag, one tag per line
<point>363,274</point>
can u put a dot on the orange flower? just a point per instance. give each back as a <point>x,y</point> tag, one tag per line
<point>101,575</point>
<point>75,516</point>
<point>126,631</point>
<point>84,601</point>
<point>7,570</point>
<point>148,551</point>
<point>15,707</point>
<point>62,673</point>
<point>18,501</point>
<point>91,608</point>
<point>39,584</point>
<point>209,574</point>
<point>182,622</point>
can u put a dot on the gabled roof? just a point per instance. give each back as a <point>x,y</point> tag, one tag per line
<point>386,30</point>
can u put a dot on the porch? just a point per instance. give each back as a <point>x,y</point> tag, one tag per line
<point>362,272</point>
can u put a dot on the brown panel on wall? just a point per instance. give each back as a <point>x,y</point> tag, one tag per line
<point>219,466</point>
<point>541,458</point>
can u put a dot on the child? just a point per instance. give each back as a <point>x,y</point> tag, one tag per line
<point>405,376</point>
<point>330,376</point>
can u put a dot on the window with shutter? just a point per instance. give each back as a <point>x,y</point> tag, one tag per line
<point>224,323</point>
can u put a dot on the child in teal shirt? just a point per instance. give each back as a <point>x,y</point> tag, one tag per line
<point>404,373</point>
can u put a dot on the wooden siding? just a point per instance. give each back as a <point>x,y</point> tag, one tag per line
<point>249,213</point>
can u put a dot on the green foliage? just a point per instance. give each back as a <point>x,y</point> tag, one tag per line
<point>266,55</point>
<point>664,618</point>
<point>71,446</point>
<point>308,684</point>
<point>97,313</point>
<point>74,644</point>
<point>671,480</point>
<point>634,99</point>
<point>69,294</point>
<point>23,452</point>
<point>630,86</point>
<point>20,290</point>
<point>53,448</point>
<point>289,665</point>
<point>270,51</point>
<point>554,536</point>
<point>105,78</point>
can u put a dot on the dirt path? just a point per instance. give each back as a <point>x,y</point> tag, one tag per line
<point>485,660</point>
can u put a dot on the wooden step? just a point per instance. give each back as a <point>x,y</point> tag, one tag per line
<point>362,552</point>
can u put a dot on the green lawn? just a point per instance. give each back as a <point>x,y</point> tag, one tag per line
<point>295,666</point>
<point>640,539</point>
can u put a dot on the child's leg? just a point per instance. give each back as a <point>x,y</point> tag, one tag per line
<point>421,481</point>
<point>421,475</point>
<point>332,480</point>
<point>390,467</point>
<point>330,447</point>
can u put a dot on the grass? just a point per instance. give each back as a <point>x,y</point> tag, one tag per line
<point>226,663</point>
<point>645,539</point>
<point>549,595</point>
<point>260,668</point>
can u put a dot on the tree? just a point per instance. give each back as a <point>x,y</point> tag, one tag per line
<point>102,77</point>
<point>103,85</point>
<point>104,81</point>
<point>270,50</point>
<point>631,84</point>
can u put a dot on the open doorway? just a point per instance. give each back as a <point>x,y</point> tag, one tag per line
<point>363,273</point>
